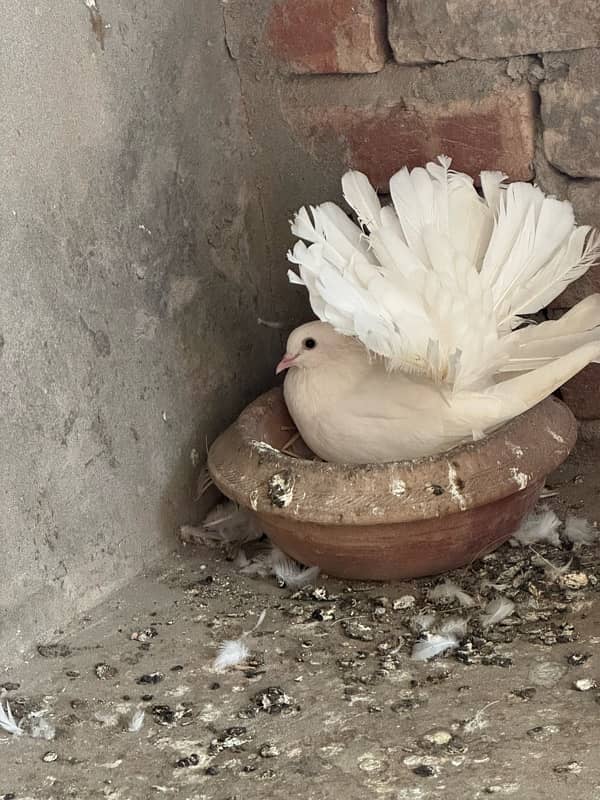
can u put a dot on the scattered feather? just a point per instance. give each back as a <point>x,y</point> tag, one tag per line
<point>7,721</point>
<point>579,531</point>
<point>497,610</point>
<point>422,621</point>
<point>541,527</point>
<point>289,573</point>
<point>448,591</point>
<point>431,645</point>
<point>454,626</point>
<point>259,622</point>
<point>552,571</point>
<point>231,653</point>
<point>136,722</point>
<point>477,722</point>
<point>229,524</point>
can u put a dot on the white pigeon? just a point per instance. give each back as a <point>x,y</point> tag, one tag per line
<point>422,343</point>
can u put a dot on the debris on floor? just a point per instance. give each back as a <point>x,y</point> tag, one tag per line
<point>210,680</point>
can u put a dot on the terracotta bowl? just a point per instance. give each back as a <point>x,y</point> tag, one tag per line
<point>389,521</point>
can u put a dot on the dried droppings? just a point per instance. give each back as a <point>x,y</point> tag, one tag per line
<point>151,677</point>
<point>404,602</point>
<point>270,701</point>
<point>574,580</point>
<point>425,771</point>
<point>105,671</point>
<point>188,761</point>
<point>163,715</point>
<point>542,732</point>
<point>145,635</point>
<point>268,750</point>
<point>55,650</point>
<point>574,767</point>
<point>211,771</point>
<point>577,659</point>
<point>526,694</point>
<point>356,630</point>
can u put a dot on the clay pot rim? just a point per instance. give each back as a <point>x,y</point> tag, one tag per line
<point>506,461</point>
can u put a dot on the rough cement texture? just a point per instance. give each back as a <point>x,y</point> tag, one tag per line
<point>422,31</point>
<point>133,272</point>
<point>330,704</point>
<point>570,112</point>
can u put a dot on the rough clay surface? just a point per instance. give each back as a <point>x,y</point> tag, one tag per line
<point>327,707</point>
<point>129,298</point>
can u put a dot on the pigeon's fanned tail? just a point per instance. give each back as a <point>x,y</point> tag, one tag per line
<point>437,283</point>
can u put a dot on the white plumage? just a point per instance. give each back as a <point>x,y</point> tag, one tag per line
<point>421,344</point>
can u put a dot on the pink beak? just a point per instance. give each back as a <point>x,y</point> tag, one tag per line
<point>285,362</point>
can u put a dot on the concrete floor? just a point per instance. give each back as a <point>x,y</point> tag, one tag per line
<point>318,714</point>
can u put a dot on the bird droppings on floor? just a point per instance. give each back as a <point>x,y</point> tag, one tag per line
<point>327,701</point>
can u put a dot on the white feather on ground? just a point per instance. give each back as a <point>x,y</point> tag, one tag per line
<point>496,611</point>
<point>136,722</point>
<point>8,722</point>
<point>290,573</point>
<point>540,527</point>
<point>227,524</point>
<point>431,645</point>
<point>448,591</point>
<point>231,652</point>
<point>580,531</point>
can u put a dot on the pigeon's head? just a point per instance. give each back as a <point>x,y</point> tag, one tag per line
<point>311,345</point>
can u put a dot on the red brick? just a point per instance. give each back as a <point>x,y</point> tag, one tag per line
<point>327,36</point>
<point>582,393</point>
<point>495,132</point>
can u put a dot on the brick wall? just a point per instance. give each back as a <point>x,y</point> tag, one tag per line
<point>496,84</point>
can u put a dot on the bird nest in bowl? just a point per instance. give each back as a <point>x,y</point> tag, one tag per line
<point>388,521</point>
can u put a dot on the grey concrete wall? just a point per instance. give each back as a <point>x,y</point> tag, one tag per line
<point>133,269</point>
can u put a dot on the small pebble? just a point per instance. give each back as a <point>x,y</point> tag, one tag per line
<point>50,756</point>
<point>10,687</point>
<point>211,771</point>
<point>584,684</point>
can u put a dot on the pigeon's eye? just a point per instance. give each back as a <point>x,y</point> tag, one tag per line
<point>309,343</point>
